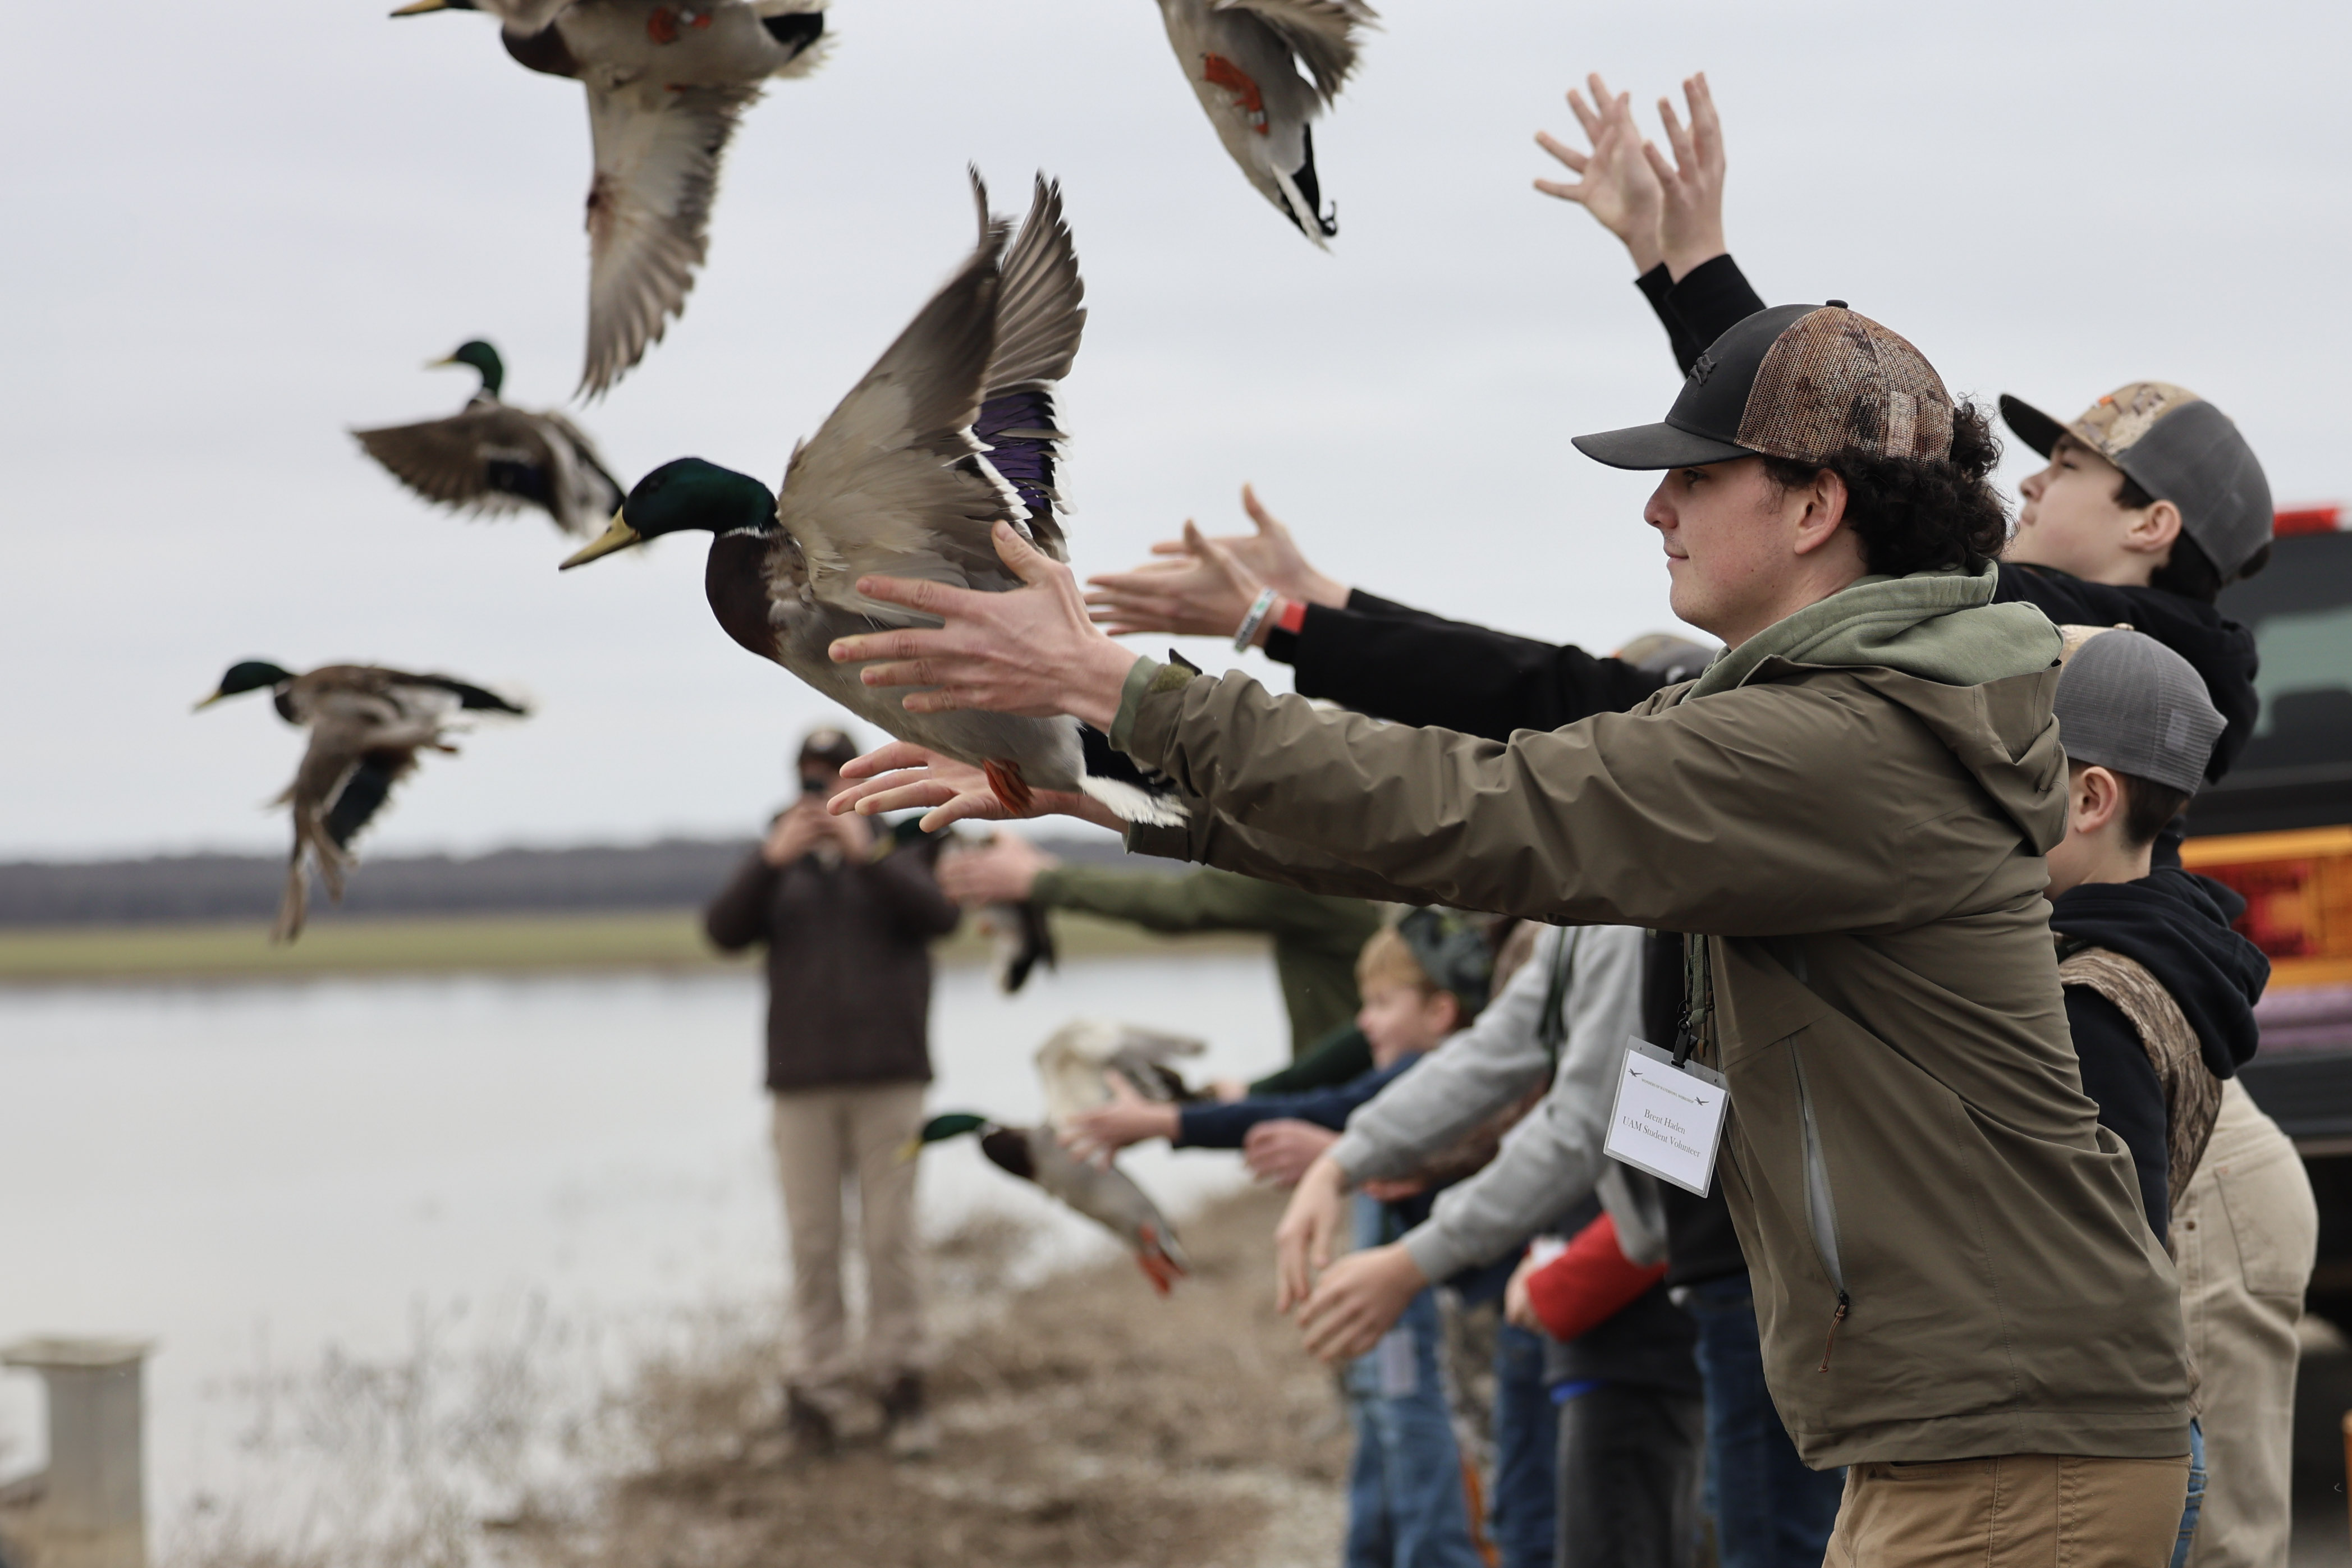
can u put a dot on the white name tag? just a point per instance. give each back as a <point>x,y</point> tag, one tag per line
<point>1668,1120</point>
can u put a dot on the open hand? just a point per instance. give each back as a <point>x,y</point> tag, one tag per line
<point>1308,1235</point>
<point>1032,651</point>
<point>1690,227</point>
<point>1206,584</point>
<point>1517,1308</point>
<point>1618,187</point>
<point>1358,1299</point>
<point>1279,1151</point>
<point>1099,1134</point>
<point>1001,871</point>
<point>903,776</point>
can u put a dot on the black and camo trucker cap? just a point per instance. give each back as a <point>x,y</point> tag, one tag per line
<point>1452,951</point>
<point>1801,382</point>
<point>2177,446</point>
<point>2127,701</point>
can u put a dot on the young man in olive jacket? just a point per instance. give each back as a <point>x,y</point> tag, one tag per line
<point>1961,1299</point>
<point>848,926</point>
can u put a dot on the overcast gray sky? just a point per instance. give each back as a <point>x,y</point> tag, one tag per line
<point>237,229</point>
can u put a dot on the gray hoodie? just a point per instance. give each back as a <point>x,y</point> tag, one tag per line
<point>1551,1161</point>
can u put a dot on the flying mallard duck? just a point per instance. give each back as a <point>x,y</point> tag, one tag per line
<point>951,431</point>
<point>666,83</point>
<point>1238,55</point>
<point>1073,1062</point>
<point>366,726</point>
<point>1101,1193</point>
<point>490,458</point>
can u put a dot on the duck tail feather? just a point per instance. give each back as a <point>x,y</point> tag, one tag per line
<point>1137,794</point>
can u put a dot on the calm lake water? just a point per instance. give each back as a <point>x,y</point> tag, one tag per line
<point>326,1174</point>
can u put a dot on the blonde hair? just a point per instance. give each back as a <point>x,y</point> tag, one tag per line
<point>1386,960</point>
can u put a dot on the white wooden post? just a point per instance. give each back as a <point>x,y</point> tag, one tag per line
<point>90,1507</point>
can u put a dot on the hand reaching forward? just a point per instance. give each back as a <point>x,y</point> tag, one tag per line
<point>903,776</point>
<point>1205,587</point>
<point>1618,188</point>
<point>1358,1299</point>
<point>1099,1134</point>
<point>1031,651</point>
<point>1309,1233</point>
<point>1278,1152</point>
<point>1690,227</point>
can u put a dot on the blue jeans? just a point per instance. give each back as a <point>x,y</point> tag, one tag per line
<point>1405,1502</point>
<point>1524,1512</point>
<point>1769,1510</point>
<point>2196,1494</point>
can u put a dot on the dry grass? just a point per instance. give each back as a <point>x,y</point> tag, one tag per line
<point>650,940</point>
<point>1086,1421</point>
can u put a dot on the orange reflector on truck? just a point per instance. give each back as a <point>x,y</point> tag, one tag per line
<point>2298,891</point>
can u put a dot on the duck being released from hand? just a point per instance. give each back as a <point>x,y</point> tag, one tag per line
<point>1238,56</point>
<point>366,726</point>
<point>667,84</point>
<point>1101,1193</point>
<point>951,432</point>
<point>492,457</point>
<point>1073,1063</point>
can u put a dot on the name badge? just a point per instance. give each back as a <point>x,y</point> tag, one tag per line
<point>1668,1120</point>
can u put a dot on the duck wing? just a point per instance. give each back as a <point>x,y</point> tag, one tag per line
<point>1320,33</point>
<point>1108,1196</point>
<point>495,460</point>
<point>658,153</point>
<point>890,483</point>
<point>1039,319</point>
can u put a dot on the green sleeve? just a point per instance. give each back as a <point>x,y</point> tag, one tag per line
<point>1341,1054</point>
<point>1204,900</point>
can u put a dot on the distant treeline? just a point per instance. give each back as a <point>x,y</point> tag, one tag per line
<point>676,873</point>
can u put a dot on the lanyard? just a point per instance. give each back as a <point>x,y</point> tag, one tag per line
<point>1551,1027</point>
<point>1696,1029</point>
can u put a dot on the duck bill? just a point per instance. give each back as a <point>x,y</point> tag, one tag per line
<point>208,701</point>
<point>445,363</point>
<point>619,536</point>
<point>421,7</point>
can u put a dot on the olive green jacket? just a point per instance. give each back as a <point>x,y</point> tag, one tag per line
<point>1315,938</point>
<point>1947,1251</point>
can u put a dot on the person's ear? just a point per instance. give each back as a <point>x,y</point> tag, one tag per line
<point>2153,530</point>
<point>2098,799</point>
<point>1824,509</point>
<point>1444,1012</point>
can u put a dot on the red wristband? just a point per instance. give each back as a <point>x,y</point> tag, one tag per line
<point>1292,617</point>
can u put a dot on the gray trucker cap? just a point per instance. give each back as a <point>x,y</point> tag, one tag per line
<point>2128,702</point>
<point>2177,447</point>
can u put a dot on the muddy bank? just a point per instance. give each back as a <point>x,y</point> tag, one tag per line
<point>1090,1422</point>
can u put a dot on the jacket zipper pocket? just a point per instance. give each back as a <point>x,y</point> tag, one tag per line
<point>1836,1317</point>
<point>1820,1209</point>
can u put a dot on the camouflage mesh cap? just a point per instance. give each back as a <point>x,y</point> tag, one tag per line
<point>828,745</point>
<point>2175,447</point>
<point>1802,382</point>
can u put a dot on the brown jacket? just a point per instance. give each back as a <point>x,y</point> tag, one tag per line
<point>1948,1252</point>
<point>849,964</point>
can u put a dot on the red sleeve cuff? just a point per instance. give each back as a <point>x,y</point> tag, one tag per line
<point>1589,1283</point>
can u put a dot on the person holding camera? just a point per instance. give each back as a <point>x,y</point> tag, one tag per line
<point>848,922</point>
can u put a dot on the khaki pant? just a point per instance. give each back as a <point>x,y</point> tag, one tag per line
<point>2020,1510</point>
<point>828,1139</point>
<point>2246,1233</point>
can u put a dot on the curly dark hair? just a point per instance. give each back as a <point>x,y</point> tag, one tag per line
<point>1918,516</point>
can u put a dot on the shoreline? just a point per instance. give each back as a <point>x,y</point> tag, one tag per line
<point>631,940</point>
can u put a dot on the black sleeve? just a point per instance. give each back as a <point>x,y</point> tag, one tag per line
<point>1655,286</point>
<point>2220,651</point>
<point>1712,298</point>
<point>2117,1074</point>
<point>1414,668</point>
<point>738,917</point>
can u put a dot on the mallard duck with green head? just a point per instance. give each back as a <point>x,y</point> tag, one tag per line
<point>494,458</point>
<point>1101,1193</point>
<point>367,725</point>
<point>951,432</point>
<point>666,85</point>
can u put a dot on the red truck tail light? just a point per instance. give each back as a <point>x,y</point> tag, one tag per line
<point>2298,891</point>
